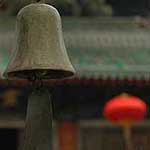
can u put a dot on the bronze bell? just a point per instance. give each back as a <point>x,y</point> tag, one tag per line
<point>40,49</point>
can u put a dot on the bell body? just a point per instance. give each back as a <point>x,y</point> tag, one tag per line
<point>40,49</point>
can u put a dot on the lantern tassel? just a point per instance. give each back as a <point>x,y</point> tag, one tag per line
<point>38,132</point>
<point>127,137</point>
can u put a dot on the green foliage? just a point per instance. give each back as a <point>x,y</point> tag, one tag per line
<point>68,7</point>
<point>96,8</point>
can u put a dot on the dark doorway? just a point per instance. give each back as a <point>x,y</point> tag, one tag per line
<point>8,139</point>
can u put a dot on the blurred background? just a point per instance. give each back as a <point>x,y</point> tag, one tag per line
<point>108,43</point>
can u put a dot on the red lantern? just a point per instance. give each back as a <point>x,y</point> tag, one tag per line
<point>125,110</point>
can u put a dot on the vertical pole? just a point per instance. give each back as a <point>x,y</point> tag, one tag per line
<point>127,137</point>
<point>38,132</point>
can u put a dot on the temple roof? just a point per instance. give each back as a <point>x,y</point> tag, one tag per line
<point>99,47</point>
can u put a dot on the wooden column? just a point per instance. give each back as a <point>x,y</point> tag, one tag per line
<point>68,135</point>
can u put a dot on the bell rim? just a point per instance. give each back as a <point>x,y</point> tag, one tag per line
<point>51,73</point>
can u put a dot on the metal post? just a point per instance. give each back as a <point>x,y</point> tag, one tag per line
<point>38,134</point>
